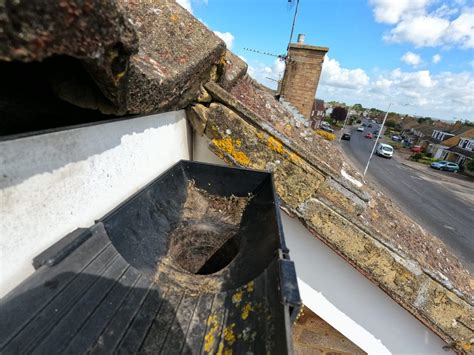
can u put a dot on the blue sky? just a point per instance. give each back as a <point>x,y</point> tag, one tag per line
<point>415,53</point>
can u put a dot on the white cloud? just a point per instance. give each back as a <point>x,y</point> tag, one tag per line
<point>436,58</point>
<point>266,74</point>
<point>461,30</point>
<point>420,79</point>
<point>422,31</point>
<point>333,74</point>
<point>278,67</point>
<point>411,59</point>
<point>186,4</point>
<point>227,37</point>
<point>416,22</point>
<point>391,11</point>
<point>445,11</point>
<point>442,95</point>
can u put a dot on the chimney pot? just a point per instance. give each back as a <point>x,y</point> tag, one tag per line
<point>301,38</point>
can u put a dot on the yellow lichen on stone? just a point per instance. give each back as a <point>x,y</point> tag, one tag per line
<point>222,60</point>
<point>326,135</point>
<point>120,75</point>
<point>260,135</point>
<point>295,158</point>
<point>213,73</point>
<point>250,286</point>
<point>229,335</point>
<point>275,145</point>
<point>222,351</point>
<point>246,311</point>
<point>209,338</point>
<point>237,297</point>
<point>227,146</point>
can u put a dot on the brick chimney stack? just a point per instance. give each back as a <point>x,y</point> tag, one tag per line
<point>302,72</point>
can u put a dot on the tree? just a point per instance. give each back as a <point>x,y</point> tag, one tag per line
<point>358,107</point>
<point>390,123</point>
<point>424,119</point>
<point>470,165</point>
<point>339,113</point>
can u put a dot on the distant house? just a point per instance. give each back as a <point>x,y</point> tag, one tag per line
<point>418,134</point>
<point>458,148</point>
<point>440,141</point>
<point>435,142</point>
<point>318,112</point>
<point>408,123</point>
<point>462,152</point>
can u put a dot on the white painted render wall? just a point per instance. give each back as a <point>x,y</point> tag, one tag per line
<point>439,152</point>
<point>343,297</point>
<point>53,183</point>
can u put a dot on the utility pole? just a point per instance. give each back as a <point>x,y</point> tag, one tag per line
<point>378,136</point>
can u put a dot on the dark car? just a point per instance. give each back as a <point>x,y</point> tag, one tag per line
<point>370,125</point>
<point>346,136</point>
<point>376,132</point>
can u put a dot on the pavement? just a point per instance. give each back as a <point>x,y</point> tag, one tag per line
<point>440,203</point>
<point>443,175</point>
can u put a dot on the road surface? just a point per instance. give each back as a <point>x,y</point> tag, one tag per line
<point>435,207</point>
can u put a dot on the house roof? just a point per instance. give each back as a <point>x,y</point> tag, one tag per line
<point>128,47</point>
<point>426,130</point>
<point>465,133</point>
<point>433,140</point>
<point>176,64</point>
<point>461,130</point>
<point>409,122</point>
<point>325,193</point>
<point>460,151</point>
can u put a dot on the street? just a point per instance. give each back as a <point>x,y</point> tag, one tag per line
<point>429,202</point>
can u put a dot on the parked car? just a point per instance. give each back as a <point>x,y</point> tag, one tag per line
<point>346,136</point>
<point>384,150</point>
<point>360,129</point>
<point>369,135</point>
<point>370,125</point>
<point>416,149</point>
<point>445,166</point>
<point>376,132</point>
<point>396,138</point>
<point>326,127</point>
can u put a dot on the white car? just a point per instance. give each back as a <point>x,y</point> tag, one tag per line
<point>384,150</point>
<point>360,129</point>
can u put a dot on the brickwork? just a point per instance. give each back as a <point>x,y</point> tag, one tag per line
<point>303,69</point>
<point>313,336</point>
